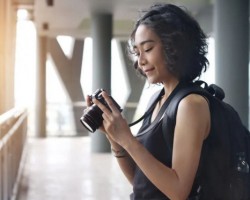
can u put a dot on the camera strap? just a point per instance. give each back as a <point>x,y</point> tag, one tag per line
<point>152,104</point>
<point>141,118</point>
<point>154,101</point>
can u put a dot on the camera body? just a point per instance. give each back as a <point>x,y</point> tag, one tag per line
<point>92,116</point>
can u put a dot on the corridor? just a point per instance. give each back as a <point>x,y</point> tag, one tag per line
<point>65,169</point>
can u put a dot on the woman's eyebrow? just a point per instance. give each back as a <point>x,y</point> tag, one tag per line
<point>143,42</point>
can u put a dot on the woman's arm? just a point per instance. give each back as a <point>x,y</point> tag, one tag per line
<point>192,126</point>
<point>125,162</point>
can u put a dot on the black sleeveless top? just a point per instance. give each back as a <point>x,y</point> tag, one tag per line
<point>154,142</point>
<point>159,144</point>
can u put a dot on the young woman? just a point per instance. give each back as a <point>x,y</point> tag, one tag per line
<point>170,49</point>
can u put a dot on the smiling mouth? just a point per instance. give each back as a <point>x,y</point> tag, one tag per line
<point>148,70</point>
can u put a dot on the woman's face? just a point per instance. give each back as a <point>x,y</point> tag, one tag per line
<point>149,51</point>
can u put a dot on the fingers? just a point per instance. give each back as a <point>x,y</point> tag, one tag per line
<point>110,103</point>
<point>98,103</point>
<point>88,101</point>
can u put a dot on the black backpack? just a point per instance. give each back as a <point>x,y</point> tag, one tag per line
<point>223,172</point>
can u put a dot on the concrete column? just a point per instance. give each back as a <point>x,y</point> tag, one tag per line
<point>41,86</point>
<point>231,52</point>
<point>101,32</point>
<point>10,54</point>
<point>7,54</point>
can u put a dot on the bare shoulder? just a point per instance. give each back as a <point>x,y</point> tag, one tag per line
<point>194,101</point>
<point>193,111</point>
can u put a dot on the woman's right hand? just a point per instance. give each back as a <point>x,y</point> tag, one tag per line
<point>89,103</point>
<point>116,126</point>
<point>114,145</point>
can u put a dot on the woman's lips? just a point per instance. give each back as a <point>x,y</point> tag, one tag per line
<point>146,71</point>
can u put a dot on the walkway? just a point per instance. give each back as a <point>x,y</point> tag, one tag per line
<point>64,169</point>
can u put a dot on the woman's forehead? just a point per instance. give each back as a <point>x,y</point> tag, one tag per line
<point>144,35</point>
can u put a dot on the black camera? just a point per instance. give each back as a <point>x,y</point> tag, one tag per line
<point>92,116</point>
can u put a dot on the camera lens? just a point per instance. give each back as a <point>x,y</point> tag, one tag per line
<point>92,118</point>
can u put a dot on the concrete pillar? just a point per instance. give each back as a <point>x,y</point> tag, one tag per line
<point>101,32</point>
<point>7,54</point>
<point>231,52</point>
<point>10,54</point>
<point>41,86</point>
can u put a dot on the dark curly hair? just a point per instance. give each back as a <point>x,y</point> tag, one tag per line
<point>184,42</point>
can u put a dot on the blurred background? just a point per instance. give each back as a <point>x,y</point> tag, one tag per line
<point>55,52</point>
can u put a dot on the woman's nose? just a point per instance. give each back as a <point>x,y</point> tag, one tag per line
<point>141,60</point>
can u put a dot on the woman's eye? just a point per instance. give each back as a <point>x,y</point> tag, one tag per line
<point>148,49</point>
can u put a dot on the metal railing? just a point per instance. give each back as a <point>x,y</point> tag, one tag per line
<point>13,133</point>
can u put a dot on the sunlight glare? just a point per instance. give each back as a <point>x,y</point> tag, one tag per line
<point>22,14</point>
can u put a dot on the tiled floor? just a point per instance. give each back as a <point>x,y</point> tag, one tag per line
<point>65,169</point>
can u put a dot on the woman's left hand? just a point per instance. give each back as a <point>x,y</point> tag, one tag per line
<point>114,124</point>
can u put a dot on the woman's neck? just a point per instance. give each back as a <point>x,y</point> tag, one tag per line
<point>169,87</point>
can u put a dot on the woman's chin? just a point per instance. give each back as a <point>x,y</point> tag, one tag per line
<point>151,80</point>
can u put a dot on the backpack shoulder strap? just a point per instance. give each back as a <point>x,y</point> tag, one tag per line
<point>208,91</point>
<point>171,111</point>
